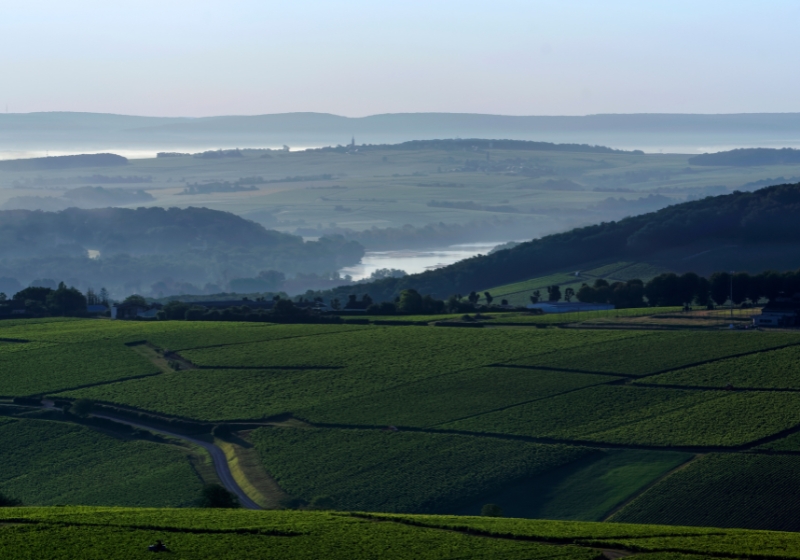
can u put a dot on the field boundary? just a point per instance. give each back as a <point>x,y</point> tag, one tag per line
<point>622,505</point>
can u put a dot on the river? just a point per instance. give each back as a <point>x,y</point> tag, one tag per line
<point>416,261</point>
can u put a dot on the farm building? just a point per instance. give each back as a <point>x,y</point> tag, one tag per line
<point>783,312</point>
<point>569,306</point>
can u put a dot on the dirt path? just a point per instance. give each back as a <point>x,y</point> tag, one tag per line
<point>217,456</point>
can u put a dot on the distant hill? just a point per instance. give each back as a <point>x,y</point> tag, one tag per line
<point>741,231</point>
<point>748,157</point>
<point>63,162</point>
<point>135,248</point>
<point>671,132</point>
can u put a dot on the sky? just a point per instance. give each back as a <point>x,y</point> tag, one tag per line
<point>357,58</point>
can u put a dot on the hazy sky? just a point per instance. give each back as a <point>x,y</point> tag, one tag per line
<point>355,58</point>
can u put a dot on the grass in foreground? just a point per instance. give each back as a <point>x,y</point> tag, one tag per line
<point>111,534</point>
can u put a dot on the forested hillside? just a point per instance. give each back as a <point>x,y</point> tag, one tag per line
<point>742,231</point>
<point>133,248</point>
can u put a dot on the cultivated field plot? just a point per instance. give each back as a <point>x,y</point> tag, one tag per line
<point>588,489</point>
<point>46,462</point>
<point>580,414</point>
<point>659,351</point>
<point>120,534</point>
<point>450,397</point>
<point>194,534</point>
<point>519,293</point>
<point>397,471</point>
<point>727,490</point>
<point>50,367</point>
<point>775,369</point>
<point>564,423</point>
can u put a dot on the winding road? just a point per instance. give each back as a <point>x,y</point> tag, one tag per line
<point>217,456</point>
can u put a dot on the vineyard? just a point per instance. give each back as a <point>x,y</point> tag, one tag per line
<point>120,534</point>
<point>728,490</point>
<point>58,463</point>
<point>569,423</point>
<point>359,469</point>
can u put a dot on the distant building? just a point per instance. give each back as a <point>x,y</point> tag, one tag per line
<point>783,312</point>
<point>13,308</point>
<point>96,309</point>
<point>569,307</point>
<point>133,311</point>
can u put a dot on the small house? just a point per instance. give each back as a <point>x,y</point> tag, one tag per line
<point>783,312</point>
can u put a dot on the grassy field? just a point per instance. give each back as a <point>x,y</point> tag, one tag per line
<point>45,463</point>
<point>519,293</point>
<point>111,534</point>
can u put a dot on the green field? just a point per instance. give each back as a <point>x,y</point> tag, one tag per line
<point>728,490</point>
<point>587,489</point>
<point>112,534</point>
<point>431,473</point>
<point>46,462</point>
<point>775,369</point>
<point>519,293</point>
<point>547,422</point>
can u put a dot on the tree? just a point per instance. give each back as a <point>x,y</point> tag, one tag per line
<point>687,287</point>
<point>569,293</point>
<point>66,301</point>
<point>366,300</point>
<point>410,302</point>
<point>492,510</point>
<point>136,300</point>
<point>7,501</point>
<point>663,290</point>
<point>194,313</point>
<point>703,293</point>
<point>720,287</point>
<point>336,304</point>
<point>103,296</point>
<point>176,310</point>
<point>553,293</point>
<point>586,293</point>
<point>33,293</point>
<point>3,297</point>
<point>741,286</point>
<point>284,307</point>
<point>473,298</point>
<point>81,408</point>
<point>536,296</point>
<point>488,297</point>
<point>771,284</point>
<point>216,496</point>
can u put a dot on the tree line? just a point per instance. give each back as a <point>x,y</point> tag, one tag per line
<point>670,289</point>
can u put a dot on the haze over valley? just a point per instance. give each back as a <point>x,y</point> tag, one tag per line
<point>420,280</point>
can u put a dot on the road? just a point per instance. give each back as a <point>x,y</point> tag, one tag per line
<point>217,456</point>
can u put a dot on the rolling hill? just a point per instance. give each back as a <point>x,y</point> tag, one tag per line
<point>750,231</point>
